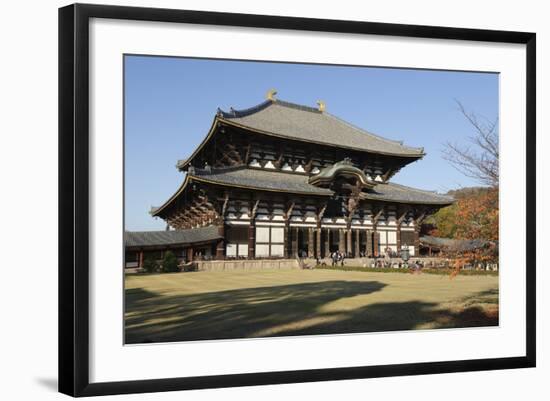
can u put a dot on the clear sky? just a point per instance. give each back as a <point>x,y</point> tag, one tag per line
<point>170,104</point>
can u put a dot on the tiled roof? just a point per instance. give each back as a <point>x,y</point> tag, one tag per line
<point>261,179</point>
<point>305,123</point>
<point>177,237</point>
<point>402,194</point>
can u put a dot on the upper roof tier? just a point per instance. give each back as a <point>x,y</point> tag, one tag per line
<point>304,123</point>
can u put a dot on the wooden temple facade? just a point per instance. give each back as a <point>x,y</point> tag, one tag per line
<point>281,180</point>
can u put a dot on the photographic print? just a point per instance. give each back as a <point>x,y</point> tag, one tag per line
<point>292,213</point>
<point>266,199</point>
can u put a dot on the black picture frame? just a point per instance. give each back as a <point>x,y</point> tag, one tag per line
<point>74,200</point>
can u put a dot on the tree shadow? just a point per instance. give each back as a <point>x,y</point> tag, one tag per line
<point>247,312</point>
<point>287,310</point>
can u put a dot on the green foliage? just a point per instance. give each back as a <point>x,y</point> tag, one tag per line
<point>169,262</point>
<point>150,264</point>
<point>445,221</point>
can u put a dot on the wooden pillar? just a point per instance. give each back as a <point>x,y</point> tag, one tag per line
<point>252,240</point>
<point>220,245</point>
<point>375,242</point>
<point>348,241</point>
<point>398,236</point>
<point>140,259</point>
<point>287,241</point>
<point>341,240</point>
<point>368,245</point>
<point>357,248</point>
<point>327,244</point>
<point>318,243</point>
<point>310,243</point>
<point>295,242</point>
<point>190,254</point>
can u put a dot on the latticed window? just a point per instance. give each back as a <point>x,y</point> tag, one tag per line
<point>270,241</point>
<point>237,241</point>
<point>407,238</point>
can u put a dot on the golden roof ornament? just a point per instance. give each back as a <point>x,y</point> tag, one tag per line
<point>322,105</point>
<point>271,94</point>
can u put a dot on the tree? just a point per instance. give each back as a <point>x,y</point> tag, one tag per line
<point>477,217</point>
<point>474,216</point>
<point>150,264</point>
<point>169,262</point>
<point>480,158</point>
<point>445,222</point>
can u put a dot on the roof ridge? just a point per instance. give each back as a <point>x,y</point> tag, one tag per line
<point>398,142</point>
<point>234,113</point>
<point>297,106</point>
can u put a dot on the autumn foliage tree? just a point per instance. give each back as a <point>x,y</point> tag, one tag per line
<point>475,216</point>
<point>475,213</point>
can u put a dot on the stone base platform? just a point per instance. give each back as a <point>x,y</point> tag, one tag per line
<point>288,264</point>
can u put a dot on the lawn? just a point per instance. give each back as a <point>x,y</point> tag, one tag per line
<point>241,304</point>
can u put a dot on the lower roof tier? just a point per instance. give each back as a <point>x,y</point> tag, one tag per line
<point>280,182</point>
<point>163,238</point>
<point>261,179</point>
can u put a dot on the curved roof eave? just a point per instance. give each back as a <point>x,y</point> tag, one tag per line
<point>267,133</point>
<point>328,174</point>
<point>221,119</point>
<point>155,213</point>
<point>189,178</point>
<point>211,132</point>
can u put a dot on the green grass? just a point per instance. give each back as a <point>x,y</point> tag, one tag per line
<point>245,304</point>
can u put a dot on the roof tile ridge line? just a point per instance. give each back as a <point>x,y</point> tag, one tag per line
<point>233,113</point>
<point>297,106</point>
<point>400,143</point>
<point>427,191</point>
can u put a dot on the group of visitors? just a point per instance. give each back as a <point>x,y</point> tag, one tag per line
<point>387,263</point>
<point>338,257</point>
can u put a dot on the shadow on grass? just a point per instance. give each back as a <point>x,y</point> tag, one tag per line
<point>278,311</point>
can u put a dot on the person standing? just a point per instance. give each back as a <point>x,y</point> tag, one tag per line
<point>334,257</point>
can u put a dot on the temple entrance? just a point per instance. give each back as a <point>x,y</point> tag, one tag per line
<point>334,240</point>
<point>298,241</point>
<point>303,243</point>
<point>323,251</point>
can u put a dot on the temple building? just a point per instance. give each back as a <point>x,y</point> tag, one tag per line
<point>281,180</point>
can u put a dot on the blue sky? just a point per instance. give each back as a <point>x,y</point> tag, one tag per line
<point>170,104</point>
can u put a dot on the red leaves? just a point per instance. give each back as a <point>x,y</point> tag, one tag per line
<point>472,217</point>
